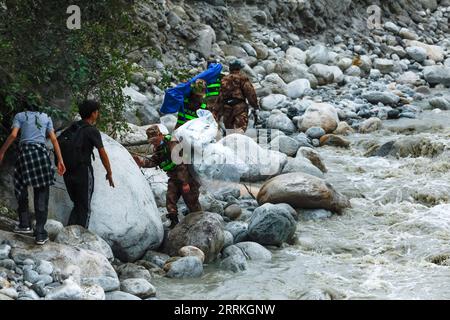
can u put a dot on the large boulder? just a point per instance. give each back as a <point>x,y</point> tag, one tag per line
<point>301,164</point>
<point>203,44</point>
<point>434,52</point>
<point>201,230</point>
<point>412,146</point>
<point>79,237</point>
<point>302,190</point>
<point>313,156</point>
<point>322,115</point>
<point>86,266</point>
<point>185,267</point>
<point>285,144</point>
<point>125,216</point>
<point>273,101</point>
<point>274,84</point>
<point>272,224</point>
<point>317,54</point>
<point>298,88</point>
<point>437,75</point>
<point>279,120</point>
<point>261,162</point>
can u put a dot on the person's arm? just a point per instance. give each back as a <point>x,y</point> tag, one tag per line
<point>107,165</point>
<point>60,165</point>
<point>250,94</point>
<point>11,138</point>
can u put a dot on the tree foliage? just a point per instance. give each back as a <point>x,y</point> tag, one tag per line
<point>42,61</point>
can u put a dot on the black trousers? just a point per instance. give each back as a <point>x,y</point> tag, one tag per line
<point>80,186</point>
<point>41,197</point>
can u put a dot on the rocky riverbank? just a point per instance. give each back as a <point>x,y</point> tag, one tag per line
<point>358,177</point>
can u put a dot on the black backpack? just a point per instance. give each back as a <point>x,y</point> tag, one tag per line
<point>71,144</point>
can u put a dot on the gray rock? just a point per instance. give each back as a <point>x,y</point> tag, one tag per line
<point>155,257</point>
<point>385,97</point>
<point>79,237</point>
<point>28,295</point>
<point>370,125</point>
<point>45,267</point>
<point>201,230</point>
<point>437,75</point>
<point>186,267</point>
<point>120,295</point>
<point>303,140</point>
<point>271,225</point>
<point>313,156</point>
<point>30,275</point>
<point>419,54</point>
<point>301,164</point>
<point>317,54</point>
<point>440,103</point>
<point>138,287</point>
<point>298,88</point>
<point>45,279</point>
<point>322,115</point>
<point>384,65</point>
<point>204,42</point>
<point>233,211</point>
<point>249,49</point>
<point>9,292</point>
<point>280,121</point>
<point>315,132</point>
<point>133,271</point>
<point>229,240</point>
<point>235,260</point>
<point>408,34</point>
<point>392,27</point>
<point>191,251</point>
<point>274,84</point>
<point>273,101</point>
<point>4,251</point>
<point>93,292</point>
<point>239,230</point>
<point>254,251</point>
<point>8,264</point>
<point>284,144</point>
<point>40,289</point>
<point>53,227</point>
<point>302,190</point>
<point>68,291</point>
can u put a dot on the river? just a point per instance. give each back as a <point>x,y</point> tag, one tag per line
<point>392,244</point>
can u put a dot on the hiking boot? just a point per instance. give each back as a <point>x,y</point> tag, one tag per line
<point>41,239</point>
<point>23,230</point>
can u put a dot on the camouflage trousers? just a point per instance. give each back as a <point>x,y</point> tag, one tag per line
<point>175,192</point>
<point>236,117</point>
<point>214,107</point>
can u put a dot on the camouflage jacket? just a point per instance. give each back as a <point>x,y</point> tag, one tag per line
<point>238,86</point>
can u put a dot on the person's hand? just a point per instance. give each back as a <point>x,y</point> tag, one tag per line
<point>138,161</point>
<point>186,188</point>
<point>61,168</point>
<point>110,179</point>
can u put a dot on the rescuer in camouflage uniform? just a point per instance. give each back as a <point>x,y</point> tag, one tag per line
<point>236,89</point>
<point>181,182</point>
<point>212,96</point>
<point>194,102</point>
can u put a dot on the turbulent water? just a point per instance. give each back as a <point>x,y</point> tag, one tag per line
<point>392,244</point>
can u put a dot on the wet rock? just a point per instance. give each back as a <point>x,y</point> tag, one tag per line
<point>280,121</point>
<point>155,257</point>
<point>233,211</point>
<point>138,287</point>
<point>315,214</point>
<point>298,88</point>
<point>273,101</point>
<point>40,289</point>
<point>370,125</point>
<point>333,140</point>
<point>271,225</point>
<point>186,267</point>
<point>343,129</point>
<point>79,237</point>
<point>133,271</point>
<point>69,290</point>
<point>238,229</point>
<point>301,164</point>
<point>89,266</point>
<point>301,190</point>
<point>254,251</point>
<point>4,251</point>
<point>229,240</point>
<point>414,146</point>
<point>322,115</point>
<point>234,261</point>
<point>53,227</point>
<point>201,230</point>
<point>120,295</point>
<point>284,144</point>
<point>385,97</point>
<point>191,251</point>
<point>313,156</point>
<point>440,103</point>
<point>7,264</point>
<point>28,294</point>
<point>437,75</point>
